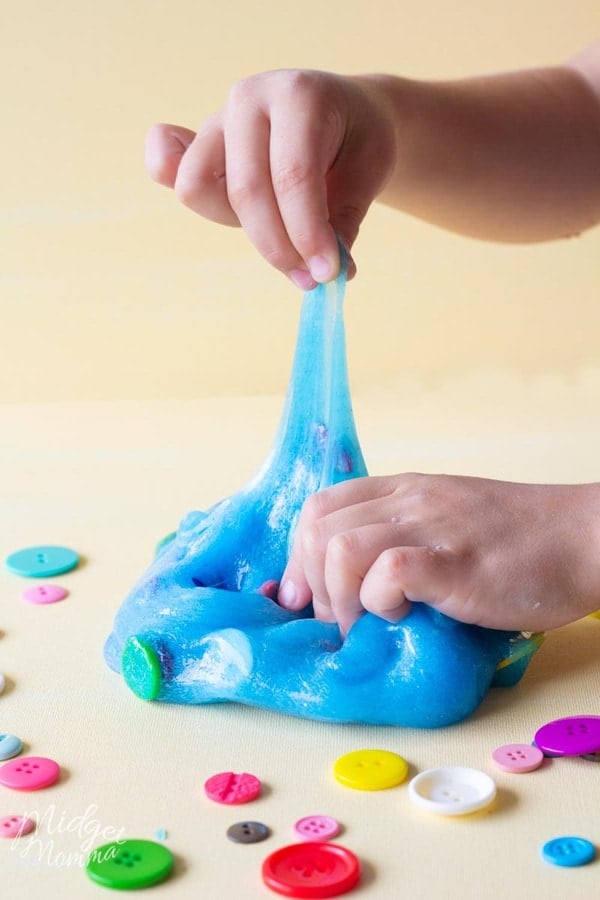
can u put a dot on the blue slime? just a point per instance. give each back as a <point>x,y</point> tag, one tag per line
<point>200,626</point>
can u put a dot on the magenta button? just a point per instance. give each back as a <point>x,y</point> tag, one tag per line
<point>517,758</point>
<point>228,787</point>
<point>572,736</point>
<point>29,773</point>
<point>45,593</point>
<point>15,826</point>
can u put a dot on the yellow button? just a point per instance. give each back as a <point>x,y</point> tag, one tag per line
<point>370,770</point>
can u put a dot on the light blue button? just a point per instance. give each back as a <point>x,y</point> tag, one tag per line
<point>41,562</point>
<point>568,851</point>
<point>10,745</point>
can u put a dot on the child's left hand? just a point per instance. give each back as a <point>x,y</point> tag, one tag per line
<point>522,557</point>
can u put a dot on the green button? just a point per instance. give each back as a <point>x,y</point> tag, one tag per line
<point>141,668</point>
<point>129,864</point>
<point>164,543</point>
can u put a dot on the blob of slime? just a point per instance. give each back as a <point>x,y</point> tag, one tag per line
<point>200,627</point>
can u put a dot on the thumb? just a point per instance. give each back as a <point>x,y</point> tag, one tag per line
<point>163,151</point>
<point>294,590</point>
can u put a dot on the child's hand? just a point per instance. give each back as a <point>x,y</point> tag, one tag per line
<point>294,157</point>
<point>521,557</point>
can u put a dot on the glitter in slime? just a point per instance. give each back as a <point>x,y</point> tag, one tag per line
<point>201,626</point>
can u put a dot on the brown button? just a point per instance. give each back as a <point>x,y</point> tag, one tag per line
<point>247,832</point>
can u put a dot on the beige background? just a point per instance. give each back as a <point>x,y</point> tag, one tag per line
<point>110,289</point>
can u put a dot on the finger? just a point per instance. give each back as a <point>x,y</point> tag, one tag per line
<point>332,511</point>
<point>201,177</point>
<point>299,168</point>
<point>163,149</point>
<point>249,186</point>
<point>352,185</point>
<point>350,556</point>
<point>297,587</point>
<point>401,575</point>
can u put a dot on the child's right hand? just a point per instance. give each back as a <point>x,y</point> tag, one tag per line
<point>294,157</point>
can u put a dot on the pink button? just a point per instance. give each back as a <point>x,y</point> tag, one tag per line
<point>269,589</point>
<point>227,787</point>
<point>571,736</point>
<point>316,828</point>
<point>29,773</point>
<point>15,826</point>
<point>518,758</point>
<point>45,593</point>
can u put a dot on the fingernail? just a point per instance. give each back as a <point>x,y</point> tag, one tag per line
<point>288,595</point>
<point>302,279</point>
<point>320,268</point>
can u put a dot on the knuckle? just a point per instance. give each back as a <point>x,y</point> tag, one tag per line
<point>394,562</point>
<point>313,541</point>
<point>291,176</point>
<point>243,194</point>
<point>186,188</point>
<point>243,91</point>
<point>342,549</point>
<point>315,507</point>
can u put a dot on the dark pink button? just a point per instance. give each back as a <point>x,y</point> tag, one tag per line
<point>316,828</point>
<point>227,787</point>
<point>518,758</point>
<point>29,773</point>
<point>571,736</point>
<point>15,826</point>
<point>45,593</point>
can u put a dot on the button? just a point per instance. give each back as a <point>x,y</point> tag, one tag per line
<point>45,593</point>
<point>164,543</point>
<point>10,745</point>
<point>15,826</point>
<point>311,869</point>
<point>517,758</point>
<point>227,787</point>
<point>269,589</point>
<point>593,757</point>
<point>571,736</point>
<point>569,851</point>
<point>141,668</point>
<point>247,832</point>
<point>41,562</point>
<point>370,770</point>
<point>29,773</point>
<point>129,864</point>
<point>316,828</point>
<point>452,790</point>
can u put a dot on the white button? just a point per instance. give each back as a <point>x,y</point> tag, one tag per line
<point>452,790</point>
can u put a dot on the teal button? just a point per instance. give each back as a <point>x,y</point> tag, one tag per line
<point>10,745</point>
<point>130,864</point>
<point>41,562</point>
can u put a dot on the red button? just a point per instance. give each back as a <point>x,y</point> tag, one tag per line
<point>311,869</point>
<point>227,787</point>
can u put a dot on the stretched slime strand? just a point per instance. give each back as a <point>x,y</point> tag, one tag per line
<point>200,627</point>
